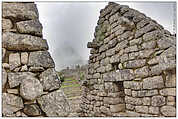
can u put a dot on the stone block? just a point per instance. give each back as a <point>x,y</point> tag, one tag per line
<point>117,108</point>
<point>155,82</point>
<point>146,101</point>
<point>149,45</point>
<point>21,42</point>
<point>142,72</point>
<point>24,58</point>
<point>141,109</point>
<point>133,85</point>
<point>168,111</point>
<point>133,101</point>
<point>14,60</point>
<point>130,107</point>
<point>33,27</point>
<point>4,78</point>
<point>168,92</point>
<point>6,24</point>
<point>154,110</point>
<point>158,101</point>
<point>135,63</point>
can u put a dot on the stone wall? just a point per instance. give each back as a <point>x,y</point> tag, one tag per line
<point>29,80</point>
<point>132,66</point>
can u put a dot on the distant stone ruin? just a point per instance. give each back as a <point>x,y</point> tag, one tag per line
<point>29,80</point>
<point>132,67</point>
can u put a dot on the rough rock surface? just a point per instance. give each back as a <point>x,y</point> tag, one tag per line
<point>49,80</point>
<point>54,104</point>
<point>28,70</point>
<point>11,103</point>
<point>132,64</point>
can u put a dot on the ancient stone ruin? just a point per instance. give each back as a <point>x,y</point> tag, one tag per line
<point>131,70</point>
<point>29,80</point>
<point>132,66</point>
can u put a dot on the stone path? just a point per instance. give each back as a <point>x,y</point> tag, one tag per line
<point>72,90</point>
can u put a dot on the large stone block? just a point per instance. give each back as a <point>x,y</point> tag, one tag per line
<point>49,80</point>
<point>33,27</point>
<point>168,92</point>
<point>158,101</point>
<point>32,110</point>
<point>19,42</point>
<point>155,82</point>
<point>168,111</point>
<point>54,104</point>
<point>30,88</point>
<point>133,101</point>
<point>117,108</point>
<point>142,72</point>
<point>11,103</point>
<point>135,63</point>
<point>154,110</point>
<point>14,60</point>
<point>124,75</point>
<point>6,24</point>
<point>41,59</point>
<point>19,11</point>
<point>133,85</point>
<point>142,109</point>
<point>14,79</point>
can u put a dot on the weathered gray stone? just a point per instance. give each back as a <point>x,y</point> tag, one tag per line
<point>146,101</point>
<point>142,23</point>
<point>128,92</point>
<point>154,35</point>
<point>5,66</point>
<point>171,100</point>
<point>142,72</point>
<point>14,60</point>
<point>147,28</point>
<point>6,24</point>
<point>24,58</point>
<point>115,59</point>
<point>19,11</point>
<point>124,58</point>
<point>117,108</point>
<point>155,70</point>
<point>14,79</point>
<point>54,104</point>
<point>142,109</point>
<point>158,101</point>
<point>41,59</point>
<point>130,107</point>
<point>49,80</point>
<point>3,54</point>
<point>24,68</point>
<point>30,88</point>
<point>145,53</point>
<point>135,63</point>
<point>133,85</point>
<point>168,92</point>
<point>131,49</point>
<point>32,110</point>
<point>171,80</point>
<point>4,78</point>
<point>133,101</point>
<point>121,45</point>
<point>19,42</point>
<point>33,27</point>
<point>113,101</point>
<point>124,75</point>
<point>11,103</point>
<point>154,110</point>
<point>133,55</point>
<point>36,69</point>
<point>149,45</point>
<point>154,60</point>
<point>168,111</point>
<point>166,42</point>
<point>12,91</point>
<point>135,41</point>
<point>132,114</point>
<point>155,82</point>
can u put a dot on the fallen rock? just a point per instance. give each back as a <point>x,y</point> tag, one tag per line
<point>11,103</point>
<point>54,104</point>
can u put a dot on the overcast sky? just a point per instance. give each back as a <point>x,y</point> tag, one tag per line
<point>68,26</point>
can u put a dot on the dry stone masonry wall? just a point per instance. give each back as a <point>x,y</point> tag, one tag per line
<point>132,66</point>
<point>29,80</point>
